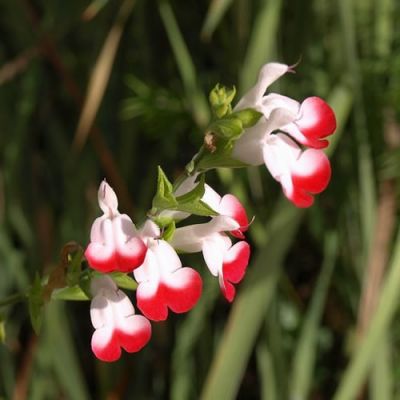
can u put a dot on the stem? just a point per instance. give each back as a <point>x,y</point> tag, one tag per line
<point>12,299</point>
<point>190,168</point>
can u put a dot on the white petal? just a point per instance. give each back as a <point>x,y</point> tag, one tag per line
<point>214,250</point>
<point>279,154</point>
<point>107,198</point>
<point>167,258</point>
<point>211,198</point>
<point>274,100</point>
<point>268,74</point>
<point>248,148</point>
<point>149,270</point>
<point>149,230</point>
<point>101,312</point>
<point>102,283</point>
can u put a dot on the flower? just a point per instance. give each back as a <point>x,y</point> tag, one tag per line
<point>114,242</point>
<point>225,261</point>
<point>163,283</point>
<point>302,173</point>
<point>116,325</point>
<point>227,205</point>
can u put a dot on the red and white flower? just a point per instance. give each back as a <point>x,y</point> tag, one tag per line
<point>226,261</point>
<point>163,283</point>
<point>116,325</point>
<point>301,173</point>
<point>115,244</point>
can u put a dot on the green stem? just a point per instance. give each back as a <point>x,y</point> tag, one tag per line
<point>12,299</point>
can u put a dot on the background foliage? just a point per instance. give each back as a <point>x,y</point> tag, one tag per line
<point>112,89</point>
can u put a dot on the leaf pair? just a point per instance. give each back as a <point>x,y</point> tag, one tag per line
<point>165,198</point>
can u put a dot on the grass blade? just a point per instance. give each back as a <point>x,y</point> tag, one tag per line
<point>304,358</point>
<point>262,41</point>
<point>196,98</point>
<point>215,12</point>
<point>363,357</point>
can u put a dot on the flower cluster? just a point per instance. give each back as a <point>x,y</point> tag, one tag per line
<point>163,284</point>
<point>263,128</point>
<point>288,138</point>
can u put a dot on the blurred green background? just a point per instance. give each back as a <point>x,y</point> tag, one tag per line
<point>114,88</point>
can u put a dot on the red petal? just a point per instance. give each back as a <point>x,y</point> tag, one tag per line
<point>317,121</point>
<point>131,256</point>
<point>310,175</point>
<point>228,290</point>
<point>236,261</point>
<point>105,345</point>
<point>185,293</point>
<point>100,258</point>
<point>136,339</point>
<point>232,207</point>
<point>234,268</point>
<point>179,292</point>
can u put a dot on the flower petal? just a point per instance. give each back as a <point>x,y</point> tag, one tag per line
<point>163,283</point>
<point>105,344</point>
<point>269,73</point>
<point>236,261</point>
<point>310,175</point>
<point>134,333</point>
<point>107,198</point>
<point>232,207</point>
<point>115,245</point>
<point>317,120</point>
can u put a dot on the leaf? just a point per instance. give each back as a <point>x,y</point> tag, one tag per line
<point>249,117</point>
<point>73,293</point>
<point>194,195</point>
<point>169,231</point>
<point>227,128</point>
<point>123,281</point>
<point>199,208</point>
<point>164,198</point>
<point>36,303</point>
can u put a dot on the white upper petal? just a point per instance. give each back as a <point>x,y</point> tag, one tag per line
<point>107,198</point>
<point>274,100</point>
<point>149,230</point>
<point>269,73</point>
<point>101,283</point>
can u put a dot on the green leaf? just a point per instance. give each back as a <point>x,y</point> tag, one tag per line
<point>123,280</point>
<point>198,208</point>
<point>75,268</point>
<point>249,117</point>
<point>194,195</point>
<point>74,293</point>
<point>221,157</point>
<point>36,303</point>
<point>227,128</point>
<point>169,231</point>
<point>164,197</point>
